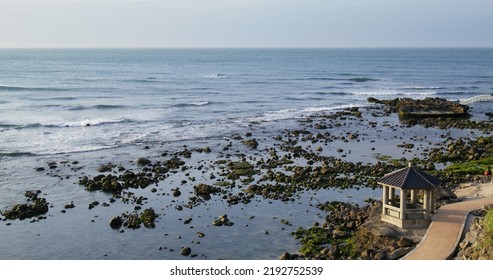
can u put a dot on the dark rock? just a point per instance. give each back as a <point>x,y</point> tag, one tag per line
<point>148,217</point>
<point>69,206</point>
<point>252,143</point>
<point>186,251</point>
<point>28,210</point>
<point>176,192</point>
<point>93,204</point>
<point>205,191</point>
<point>399,253</point>
<point>116,222</point>
<point>381,255</point>
<point>143,161</point>
<point>405,242</point>
<point>444,193</point>
<point>406,146</point>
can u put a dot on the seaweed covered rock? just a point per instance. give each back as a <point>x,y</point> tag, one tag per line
<point>205,191</point>
<point>38,206</point>
<point>239,169</point>
<point>252,143</point>
<point>148,217</point>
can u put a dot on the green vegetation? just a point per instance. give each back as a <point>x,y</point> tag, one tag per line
<point>474,167</point>
<point>312,240</point>
<point>484,248</point>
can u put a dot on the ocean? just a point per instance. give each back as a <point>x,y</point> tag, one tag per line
<point>66,101</point>
<point>93,105</point>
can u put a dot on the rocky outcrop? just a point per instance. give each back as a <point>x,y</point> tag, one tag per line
<point>426,108</point>
<point>38,206</point>
<point>353,232</point>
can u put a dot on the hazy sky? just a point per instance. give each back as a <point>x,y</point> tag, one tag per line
<point>246,23</point>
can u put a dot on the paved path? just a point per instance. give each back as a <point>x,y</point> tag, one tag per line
<point>443,235</point>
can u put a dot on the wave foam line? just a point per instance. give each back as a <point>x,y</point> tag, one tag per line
<point>476,99</point>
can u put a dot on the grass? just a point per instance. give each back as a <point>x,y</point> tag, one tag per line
<point>484,248</point>
<point>474,167</point>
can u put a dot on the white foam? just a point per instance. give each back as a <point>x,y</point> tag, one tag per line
<point>84,122</point>
<point>394,93</point>
<point>476,99</point>
<point>287,114</point>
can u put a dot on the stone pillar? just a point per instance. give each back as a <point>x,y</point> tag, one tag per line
<point>432,202</point>
<point>426,203</point>
<point>413,196</point>
<point>403,204</point>
<point>385,199</point>
<point>392,196</point>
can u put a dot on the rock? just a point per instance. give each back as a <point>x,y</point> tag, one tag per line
<point>408,146</point>
<point>69,206</point>
<point>93,204</point>
<point>186,251</point>
<point>143,161</point>
<point>105,167</point>
<point>222,220</point>
<point>174,163</point>
<point>176,192</point>
<point>204,190</point>
<point>399,253</point>
<point>444,193</point>
<point>148,217</point>
<point>116,222</point>
<point>200,234</point>
<point>380,256</point>
<point>405,242</point>
<point>339,234</point>
<point>28,210</point>
<point>252,143</point>
<point>286,256</point>
<point>353,136</point>
<point>133,221</point>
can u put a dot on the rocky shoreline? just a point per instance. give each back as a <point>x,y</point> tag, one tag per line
<point>341,150</point>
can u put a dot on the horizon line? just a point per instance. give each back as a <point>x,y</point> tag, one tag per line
<point>346,47</point>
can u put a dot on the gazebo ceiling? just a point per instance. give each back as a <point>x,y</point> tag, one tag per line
<point>410,178</point>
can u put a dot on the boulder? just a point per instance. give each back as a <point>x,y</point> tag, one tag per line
<point>143,161</point>
<point>186,251</point>
<point>116,222</point>
<point>399,253</point>
<point>405,242</point>
<point>444,193</point>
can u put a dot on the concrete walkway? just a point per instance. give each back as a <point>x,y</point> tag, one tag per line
<point>445,231</point>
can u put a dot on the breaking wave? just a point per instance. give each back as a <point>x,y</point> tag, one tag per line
<point>476,99</point>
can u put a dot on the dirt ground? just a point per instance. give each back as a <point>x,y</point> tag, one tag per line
<point>471,190</point>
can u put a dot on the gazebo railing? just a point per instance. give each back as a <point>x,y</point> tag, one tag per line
<point>410,214</point>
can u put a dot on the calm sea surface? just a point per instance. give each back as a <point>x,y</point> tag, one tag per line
<point>93,106</point>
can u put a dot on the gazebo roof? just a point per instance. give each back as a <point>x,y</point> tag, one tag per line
<point>410,178</point>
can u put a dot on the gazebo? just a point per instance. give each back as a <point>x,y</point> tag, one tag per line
<point>408,197</point>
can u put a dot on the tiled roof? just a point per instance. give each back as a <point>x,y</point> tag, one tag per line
<point>410,178</point>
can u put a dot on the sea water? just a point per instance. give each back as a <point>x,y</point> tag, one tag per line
<point>93,106</point>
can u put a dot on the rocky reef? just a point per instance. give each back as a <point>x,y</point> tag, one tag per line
<point>38,206</point>
<point>428,107</point>
<point>353,232</point>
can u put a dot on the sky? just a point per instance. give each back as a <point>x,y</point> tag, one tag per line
<point>245,23</point>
